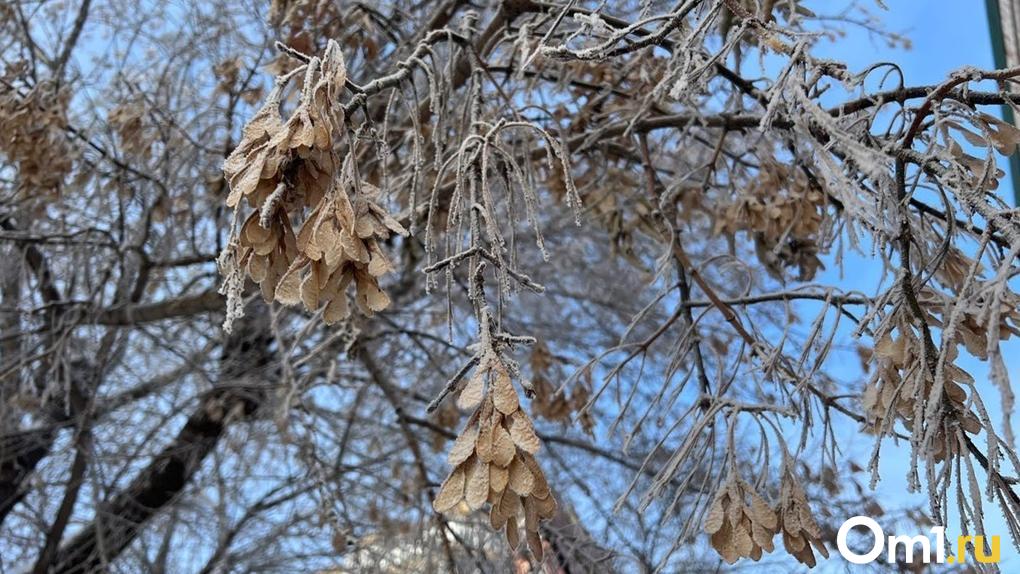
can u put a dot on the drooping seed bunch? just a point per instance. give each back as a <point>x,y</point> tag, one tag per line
<point>740,522</point>
<point>128,119</point>
<point>972,329</point>
<point>786,216</point>
<point>743,525</point>
<point>291,170</point>
<point>552,404</point>
<point>33,133</point>
<point>991,132</point>
<point>900,385</point>
<point>797,523</point>
<point>493,459</point>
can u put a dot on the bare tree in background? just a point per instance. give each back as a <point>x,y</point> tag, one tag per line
<point>319,285</point>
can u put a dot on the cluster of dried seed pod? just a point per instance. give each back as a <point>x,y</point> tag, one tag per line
<point>289,170</point>
<point>550,403</point>
<point>979,172</point>
<point>883,396</point>
<point>743,525</point>
<point>889,395</point>
<point>338,244</point>
<point>128,120</point>
<point>973,326</point>
<point>493,459</point>
<point>797,523</point>
<point>740,522</point>
<point>32,133</point>
<point>786,214</point>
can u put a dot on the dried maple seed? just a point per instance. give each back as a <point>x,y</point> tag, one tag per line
<point>740,523</point>
<point>493,462</point>
<point>797,523</point>
<point>289,171</point>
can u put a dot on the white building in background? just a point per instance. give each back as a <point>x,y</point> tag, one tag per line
<point>1005,16</point>
<point>1004,27</point>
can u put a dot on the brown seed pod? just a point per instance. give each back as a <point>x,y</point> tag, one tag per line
<point>523,433</point>
<point>464,446</point>
<point>451,492</point>
<point>493,462</point>
<point>800,530</point>
<point>740,522</point>
<point>477,489</point>
<point>288,171</point>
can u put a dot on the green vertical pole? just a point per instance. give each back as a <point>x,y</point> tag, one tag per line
<point>999,56</point>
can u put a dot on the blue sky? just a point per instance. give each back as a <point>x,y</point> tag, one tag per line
<point>946,34</point>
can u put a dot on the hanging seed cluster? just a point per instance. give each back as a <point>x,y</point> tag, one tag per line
<point>900,385</point>
<point>992,132</point>
<point>972,329</point>
<point>30,123</point>
<point>740,522</point>
<point>551,404</point>
<point>128,121</point>
<point>290,169</point>
<point>493,459</point>
<point>797,523</point>
<point>786,217</point>
<point>743,525</point>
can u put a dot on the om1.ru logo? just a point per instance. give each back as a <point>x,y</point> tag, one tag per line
<point>910,545</point>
